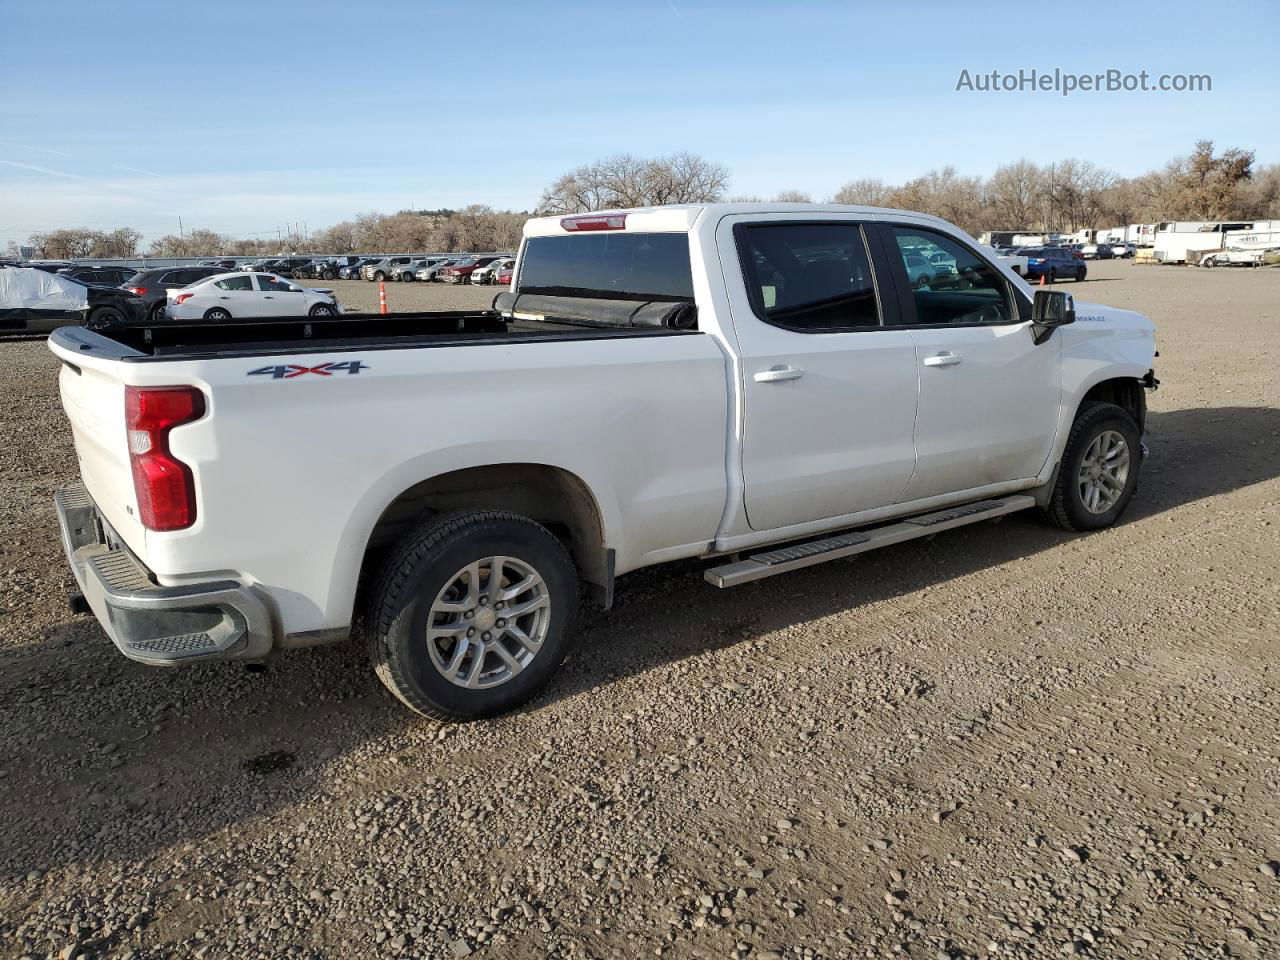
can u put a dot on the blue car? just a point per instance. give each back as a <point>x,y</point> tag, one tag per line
<point>1052,263</point>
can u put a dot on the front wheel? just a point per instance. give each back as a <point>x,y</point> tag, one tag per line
<point>321,310</point>
<point>472,614</point>
<point>329,275</point>
<point>1081,274</point>
<point>1099,469</point>
<point>1053,276</point>
<point>379,276</point>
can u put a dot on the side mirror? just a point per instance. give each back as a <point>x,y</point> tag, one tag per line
<point>1051,308</point>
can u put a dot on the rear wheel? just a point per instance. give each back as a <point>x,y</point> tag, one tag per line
<point>217,315</point>
<point>1082,273</point>
<point>472,614</point>
<point>1053,275</point>
<point>329,275</point>
<point>1099,469</point>
<point>105,317</point>
<point>156,314</point>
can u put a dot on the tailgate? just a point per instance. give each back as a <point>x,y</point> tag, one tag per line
<point>94,403</point>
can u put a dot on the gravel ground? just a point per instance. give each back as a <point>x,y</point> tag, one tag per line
<point>1005,742</point>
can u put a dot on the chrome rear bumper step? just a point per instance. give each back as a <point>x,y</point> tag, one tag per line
<point>795,557</point>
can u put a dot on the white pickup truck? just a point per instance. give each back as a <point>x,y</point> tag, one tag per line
<point>761,385</point>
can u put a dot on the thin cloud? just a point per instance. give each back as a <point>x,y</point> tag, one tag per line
<point>44,170</point>
<point>148,173</point>
<point>671,4</point>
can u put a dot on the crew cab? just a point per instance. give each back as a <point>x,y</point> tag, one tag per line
<point>763,386</point>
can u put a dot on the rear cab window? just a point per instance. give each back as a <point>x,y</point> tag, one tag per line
<point>609,266</point>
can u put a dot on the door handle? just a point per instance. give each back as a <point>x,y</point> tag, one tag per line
<point>267,296</point>
<point>777,374</point>
<point>223,298</point>
<point>944,359</point>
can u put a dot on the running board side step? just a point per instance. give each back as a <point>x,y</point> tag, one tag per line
<point>785,559</point>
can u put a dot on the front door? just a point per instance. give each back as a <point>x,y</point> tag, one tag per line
<point>989,395</point>
<point>280,298</point>
<point>829,389</point>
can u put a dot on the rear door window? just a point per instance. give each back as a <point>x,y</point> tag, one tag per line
<point>609,266</point>
<point>235,283</point>
<point>809,277</point>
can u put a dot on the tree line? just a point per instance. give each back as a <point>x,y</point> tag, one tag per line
<point>1062,196</point>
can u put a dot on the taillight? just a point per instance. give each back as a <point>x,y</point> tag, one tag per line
<point>163,484</point>
<point>183,297</point>
<point>613,221</point>
<point>137,291</point>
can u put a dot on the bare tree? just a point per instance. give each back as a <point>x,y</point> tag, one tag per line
<point>867,192</point>
<point>1012,193</point>
<point>624,180</point>
<point>792,196</point>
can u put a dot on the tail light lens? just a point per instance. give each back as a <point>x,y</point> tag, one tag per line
<point>163,484</point>
<point>613,221</point>
<point>183,297</point>
<point>137,291</point>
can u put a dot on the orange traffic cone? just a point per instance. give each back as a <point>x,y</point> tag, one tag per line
<point>384,302</point>
<point>382,297</point>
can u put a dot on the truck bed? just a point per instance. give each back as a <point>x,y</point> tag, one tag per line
<point>198,339</point>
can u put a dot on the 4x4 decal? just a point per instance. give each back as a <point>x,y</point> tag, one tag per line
<point>287,371</point>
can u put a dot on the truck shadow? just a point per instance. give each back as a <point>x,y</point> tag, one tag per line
<point>114,761</point>
<point>669,613</point>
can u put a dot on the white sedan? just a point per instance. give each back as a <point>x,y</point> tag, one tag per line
<point>248,296</point>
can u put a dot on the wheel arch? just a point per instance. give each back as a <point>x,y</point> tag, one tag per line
<point>553,496</point>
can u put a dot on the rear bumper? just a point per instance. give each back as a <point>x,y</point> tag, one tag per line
<point>153,624</point>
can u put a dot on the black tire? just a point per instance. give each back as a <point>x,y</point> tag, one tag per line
<point>217,315</point>
<point>407,277</point>
<point>1066,508</point>
<point>1053,275</point>
<point>156,314</point>
<point>105,317</point>
<point>1082,273</point>
<point>379,277</point>
<point>329,275</point>
<point>322,310</point>
<point>420,567</point>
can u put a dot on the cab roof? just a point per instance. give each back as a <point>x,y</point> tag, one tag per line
<point>680,218</point>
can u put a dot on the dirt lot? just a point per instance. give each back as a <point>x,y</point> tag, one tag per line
<point>1008,741</point>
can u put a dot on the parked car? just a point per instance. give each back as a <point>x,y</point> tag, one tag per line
<point>101,276</point>
<point>247,296</point>
<point>486,272</point>
<point>260,266</point>
<point>1126,251</point>
<point>1096,251</point>
<point>48,266</point>
<point>408,271</point>
<point>38,301</point>
<point>316,269</point>
<point>431,271</point>
<point>226,263</point>
<point>352,270</point>
<point>1052,263</point>
<point>461,271</point>
<point>504,274</point>
<point>153,286</point>
<point>286,265</point>
<point>335,265</point>
<point>380,269</point>
<point>471,538</point>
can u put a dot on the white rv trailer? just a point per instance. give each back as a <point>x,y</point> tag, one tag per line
<point>1174,240</point>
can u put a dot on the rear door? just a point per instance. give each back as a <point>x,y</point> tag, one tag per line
<point>829,388</point>
<point>989,395</point>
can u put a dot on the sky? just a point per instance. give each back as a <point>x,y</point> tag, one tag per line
<point>247,118</point>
